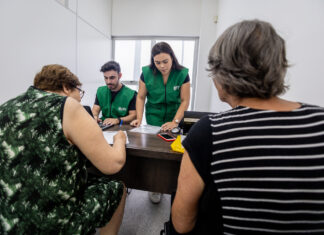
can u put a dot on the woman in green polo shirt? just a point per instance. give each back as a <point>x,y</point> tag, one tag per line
<point>166,85</point>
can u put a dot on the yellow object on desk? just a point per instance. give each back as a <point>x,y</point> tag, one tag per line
<point>177,146</point>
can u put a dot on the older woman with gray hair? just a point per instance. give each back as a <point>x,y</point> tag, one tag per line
<point>258,166</point>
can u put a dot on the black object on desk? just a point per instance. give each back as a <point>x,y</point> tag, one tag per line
<point>104,126</point>
<point>190,118</point>
<point>101,125</point>
<point>176,130</point>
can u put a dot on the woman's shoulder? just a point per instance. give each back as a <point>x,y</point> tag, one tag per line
<point>146,69</point>
<point>201,127</point>
<point>147,72</point>
<point>71,104</point>
<point>186,70</point>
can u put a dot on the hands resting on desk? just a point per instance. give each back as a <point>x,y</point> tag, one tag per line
<point>168,126</point>
<point>113,121</point>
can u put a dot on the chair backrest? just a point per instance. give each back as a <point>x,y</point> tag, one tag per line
<point>190,118</point>
<point>88,109</point>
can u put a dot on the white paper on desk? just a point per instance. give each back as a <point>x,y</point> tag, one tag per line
<point>109,136</point>
<point>182,137</point>
<point>147,129</point>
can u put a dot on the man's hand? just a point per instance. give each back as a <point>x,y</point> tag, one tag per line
<point>97,119</point>
<point>109,121</point>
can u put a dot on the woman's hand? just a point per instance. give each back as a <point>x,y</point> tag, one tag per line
<point>120,136</point>
<point>136,123</point>
<point>168,126</point>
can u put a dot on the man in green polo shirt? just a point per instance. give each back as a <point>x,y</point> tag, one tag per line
<point>116,101</point>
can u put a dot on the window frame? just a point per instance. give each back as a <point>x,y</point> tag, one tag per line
<point>153,40</point>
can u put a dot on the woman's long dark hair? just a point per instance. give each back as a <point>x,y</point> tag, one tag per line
<point>163,47</point>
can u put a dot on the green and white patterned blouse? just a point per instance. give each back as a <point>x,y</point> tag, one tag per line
<point>44,186</point>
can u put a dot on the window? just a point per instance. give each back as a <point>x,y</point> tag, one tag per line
<point>134,52</point>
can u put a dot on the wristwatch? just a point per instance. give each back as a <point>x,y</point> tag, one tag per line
<point>119,120</point>
<point>176,121</point>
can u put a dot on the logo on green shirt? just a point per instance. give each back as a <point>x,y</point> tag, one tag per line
<point>122,109</point>
<point>176,88</point>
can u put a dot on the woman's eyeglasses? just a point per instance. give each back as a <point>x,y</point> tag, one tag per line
<point>81,92</point>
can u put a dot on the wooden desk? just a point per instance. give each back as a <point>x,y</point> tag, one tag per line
<point>151,165</point>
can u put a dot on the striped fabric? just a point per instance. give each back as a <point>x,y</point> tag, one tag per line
<point>268,167</point>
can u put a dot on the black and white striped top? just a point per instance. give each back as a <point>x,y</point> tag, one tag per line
<point>268,168</point>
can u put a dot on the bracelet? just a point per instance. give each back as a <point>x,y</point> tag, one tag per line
<point>119,120</point>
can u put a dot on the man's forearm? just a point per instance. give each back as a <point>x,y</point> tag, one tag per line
<point>95,111</point>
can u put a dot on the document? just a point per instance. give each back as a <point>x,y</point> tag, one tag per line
<point>182,137</point>
<point>147,129</point>
<point>109,136</point>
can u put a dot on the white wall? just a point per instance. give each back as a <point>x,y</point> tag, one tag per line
<point>94,44</point>
<point>39,32</point>
<point>30,35</point>
<point>299,22</point>
<point>155,17</point>
<point>207,35</point>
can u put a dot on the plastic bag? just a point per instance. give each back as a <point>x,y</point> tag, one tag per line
<point>177,146</point>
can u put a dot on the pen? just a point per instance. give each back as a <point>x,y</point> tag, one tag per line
<point>121,122</point>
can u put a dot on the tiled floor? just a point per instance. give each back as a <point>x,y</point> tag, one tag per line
<point>142,217</point>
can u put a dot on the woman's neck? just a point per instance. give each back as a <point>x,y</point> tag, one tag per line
<point>62,93</point>
<point>273,103</point>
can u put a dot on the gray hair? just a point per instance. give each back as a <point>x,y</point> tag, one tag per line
<point>249,60</point>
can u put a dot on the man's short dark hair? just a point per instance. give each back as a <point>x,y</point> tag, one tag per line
<point>110,65</point>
